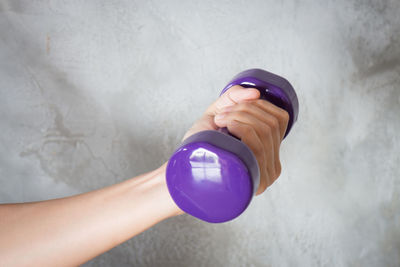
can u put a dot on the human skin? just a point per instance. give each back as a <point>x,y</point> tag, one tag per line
<point>70,231</point>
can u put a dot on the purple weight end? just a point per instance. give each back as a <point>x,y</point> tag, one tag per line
<point>208,180</point>
<point>273,88</point>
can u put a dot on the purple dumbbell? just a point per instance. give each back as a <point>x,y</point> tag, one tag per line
<point>213,175</point>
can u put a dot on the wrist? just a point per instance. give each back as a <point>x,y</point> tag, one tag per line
<point>161,185</point>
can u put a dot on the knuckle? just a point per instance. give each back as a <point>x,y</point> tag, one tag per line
<point>274,123</point>
<point>285,116</point>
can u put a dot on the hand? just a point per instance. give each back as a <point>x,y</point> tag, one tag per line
<point>258,123</point>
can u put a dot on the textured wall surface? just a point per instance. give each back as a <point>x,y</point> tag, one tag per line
<point>95,92</point>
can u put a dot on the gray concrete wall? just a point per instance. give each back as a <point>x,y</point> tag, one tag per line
<point>95,92</point>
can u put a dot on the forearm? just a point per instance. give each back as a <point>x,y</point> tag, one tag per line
<point>70,231</point>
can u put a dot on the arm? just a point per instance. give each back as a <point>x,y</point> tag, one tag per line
<point>70,231</point>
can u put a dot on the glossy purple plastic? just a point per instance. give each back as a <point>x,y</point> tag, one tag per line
<point>212,175</point>
<point>273,88</point>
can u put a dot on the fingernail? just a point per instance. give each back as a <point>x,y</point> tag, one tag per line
<point>252,92</point>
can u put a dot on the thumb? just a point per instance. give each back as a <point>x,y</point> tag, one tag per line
<point>232,96</point>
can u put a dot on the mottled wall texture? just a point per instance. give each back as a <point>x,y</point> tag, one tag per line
<point>95,92</point>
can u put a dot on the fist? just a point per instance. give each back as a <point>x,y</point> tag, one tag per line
<point>258,123</point>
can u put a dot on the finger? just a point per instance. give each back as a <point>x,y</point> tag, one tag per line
<point>279,113</point>
<point>232,96</point>
<point>249,136</point>
<point>268,119</point>
<point>270,164</point>
<point>264,133</point>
